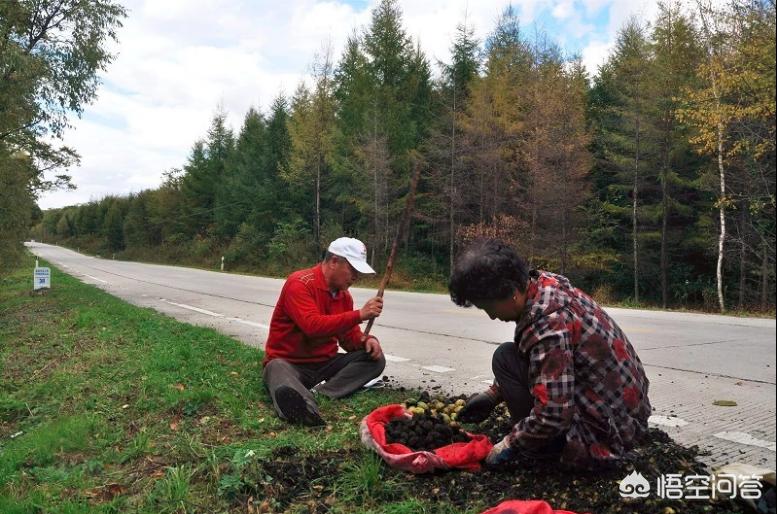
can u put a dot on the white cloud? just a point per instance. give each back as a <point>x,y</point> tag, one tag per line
<point>595,54</point>
<point>564,9</point>
<point>180,59</point>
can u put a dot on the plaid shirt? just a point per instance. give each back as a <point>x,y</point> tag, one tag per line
<point>586,379</point>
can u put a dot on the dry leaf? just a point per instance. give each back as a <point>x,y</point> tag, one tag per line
<point>180,386</point>
<point>175,422</point>
<point>113,490</point>
<point>234,373</point>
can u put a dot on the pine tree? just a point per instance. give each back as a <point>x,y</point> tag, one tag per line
<point>491,129</point>
<point>113,226</point>
<point>677,54</point>
<point>458,78</point>
<point>627,134</point>
<point>311,128</point>
<point>198,191</point>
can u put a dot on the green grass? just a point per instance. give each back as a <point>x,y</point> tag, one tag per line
<point>108,407</point>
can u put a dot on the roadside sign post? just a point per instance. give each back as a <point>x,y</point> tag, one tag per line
<point>41,278</point>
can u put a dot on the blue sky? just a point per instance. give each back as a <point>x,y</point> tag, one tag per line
<point>179,60</point>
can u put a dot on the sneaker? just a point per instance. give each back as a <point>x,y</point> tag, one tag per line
<point>295,409</point>
<point>480,405</point>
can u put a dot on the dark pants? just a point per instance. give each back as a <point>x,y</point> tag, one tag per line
<point>344,373</point>
<point>511,372</point>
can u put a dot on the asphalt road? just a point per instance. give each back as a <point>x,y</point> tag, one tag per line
<point>691,359</point>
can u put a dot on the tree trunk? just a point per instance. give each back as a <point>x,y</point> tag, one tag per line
<point>764,277</point>
<point>564,241</point>
<point>742,274</point>
<point>482,195</point>
<point>722,212</point>
<point>318,207</point>
<point>533,200</point>
<point>495,207</point>
<point>564,221</point>
<point>664,225</point>
<point>451,215</point>
<point>634,215</point>
<point>377,213</point>
<point>375,182</point>
<point>721,168</point>
<point>743,267</point>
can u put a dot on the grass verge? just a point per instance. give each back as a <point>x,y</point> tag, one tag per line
<point>107,407</point>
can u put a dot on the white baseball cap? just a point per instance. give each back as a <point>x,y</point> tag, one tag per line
<point>353,251</point>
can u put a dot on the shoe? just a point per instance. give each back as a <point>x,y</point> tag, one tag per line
<point>295,409</point>
<point>480,405</point>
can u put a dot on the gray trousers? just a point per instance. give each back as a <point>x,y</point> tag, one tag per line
<point>511,372</point>
<point>344,373</point>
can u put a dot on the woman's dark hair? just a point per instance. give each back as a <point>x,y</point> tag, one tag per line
<point>487,269</point>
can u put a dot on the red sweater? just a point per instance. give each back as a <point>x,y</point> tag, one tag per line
<point>308,322</point>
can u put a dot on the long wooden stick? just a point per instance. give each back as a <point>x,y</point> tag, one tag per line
<point>409,202</point>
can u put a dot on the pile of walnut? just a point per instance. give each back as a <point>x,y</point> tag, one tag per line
<point>438,407</point>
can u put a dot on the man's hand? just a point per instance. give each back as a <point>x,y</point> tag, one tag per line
<point>501,453</point>
<point>372,347</point>
<point>371,309</point>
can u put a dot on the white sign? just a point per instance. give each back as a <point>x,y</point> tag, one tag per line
<point>41,278</point>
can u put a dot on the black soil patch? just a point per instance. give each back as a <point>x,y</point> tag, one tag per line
<point>594,491</point>
<point>292,478</point>
<point>579,491</point>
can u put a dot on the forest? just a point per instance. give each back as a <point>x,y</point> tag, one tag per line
<point>648,182</point>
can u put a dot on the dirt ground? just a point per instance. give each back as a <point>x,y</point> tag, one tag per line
<point>579,491</point>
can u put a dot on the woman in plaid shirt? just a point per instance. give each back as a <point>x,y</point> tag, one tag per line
<point>573,383</point>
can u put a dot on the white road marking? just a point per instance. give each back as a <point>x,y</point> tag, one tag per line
<point>745,438</point>
<point>394,358</point>
<point>195,309</point>
<point>250,323</point>
<point>95,278</point>
<point>438,369</point>
<point>489,382</point>
<point>667,421</point>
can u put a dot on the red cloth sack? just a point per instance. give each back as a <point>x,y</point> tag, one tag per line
<point>525,507</point>
<point>466,456</point>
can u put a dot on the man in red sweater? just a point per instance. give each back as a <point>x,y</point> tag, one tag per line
<point>314,315</point>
